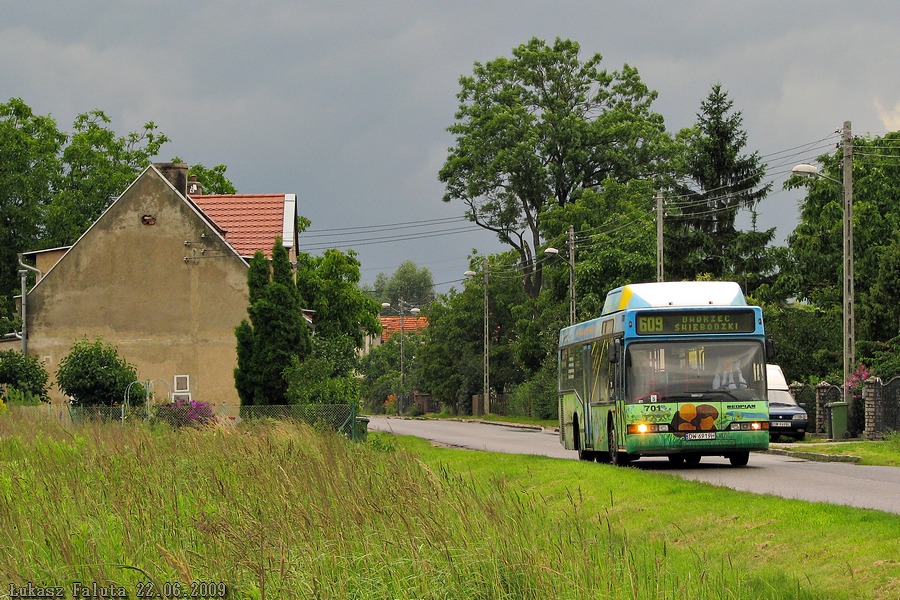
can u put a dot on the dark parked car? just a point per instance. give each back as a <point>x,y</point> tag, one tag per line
<point>786,417</point>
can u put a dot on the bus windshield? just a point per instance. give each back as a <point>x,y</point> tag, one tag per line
<point>675,371</point>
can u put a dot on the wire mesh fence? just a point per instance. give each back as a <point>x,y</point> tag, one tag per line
<point>342,418</point>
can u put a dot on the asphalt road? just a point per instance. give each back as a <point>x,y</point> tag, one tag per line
<point>779,475</point>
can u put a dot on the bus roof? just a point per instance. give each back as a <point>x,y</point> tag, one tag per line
<point>674,293</point>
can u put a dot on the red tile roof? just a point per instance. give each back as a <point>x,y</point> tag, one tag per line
<point>250,222</point>
<point>391,325</point>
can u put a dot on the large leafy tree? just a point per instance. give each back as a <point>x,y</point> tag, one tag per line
<point>343,316</point>
<point>409,283</point>
<point>54,185</point>
<point>615,242</point>
<point>719,180</point>
<point>329,285</point>
<point>814,271</point>
<point>451,358</point>
<point>97,166</point>
<point>30,148</point>
<point>538,129</point>
<point>276,333</point>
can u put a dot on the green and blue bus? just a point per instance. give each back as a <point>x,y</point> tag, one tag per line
<point>675,369</point>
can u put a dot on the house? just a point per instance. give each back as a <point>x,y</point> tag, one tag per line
<point>391,324</point>
<point>163,276</point>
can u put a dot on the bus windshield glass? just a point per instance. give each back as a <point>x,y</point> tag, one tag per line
<point>675,371</point>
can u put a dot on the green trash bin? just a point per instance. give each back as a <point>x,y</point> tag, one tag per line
<point>360,428</point>
<point>838,421</point>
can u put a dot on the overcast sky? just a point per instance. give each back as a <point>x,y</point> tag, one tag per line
<point>346,104</point>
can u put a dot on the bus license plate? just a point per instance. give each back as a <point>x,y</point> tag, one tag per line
<point>710,435</point>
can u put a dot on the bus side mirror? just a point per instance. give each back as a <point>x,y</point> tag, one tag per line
<point>614,349</point>
<point>770,349</point>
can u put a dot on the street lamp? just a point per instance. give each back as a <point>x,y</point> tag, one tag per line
<point>486,359</point>
<point>401,311</point>
<point>571,264</point>
<point>848,293</point>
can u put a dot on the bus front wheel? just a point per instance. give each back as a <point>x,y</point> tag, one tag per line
<point>617,458</point>
<point>739,459</point>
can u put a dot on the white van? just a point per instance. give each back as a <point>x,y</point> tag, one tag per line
<point>786,417</point>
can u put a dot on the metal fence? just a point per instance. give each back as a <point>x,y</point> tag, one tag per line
<point>336,417</point>
<point>342,418</point>
<point>888,417</point>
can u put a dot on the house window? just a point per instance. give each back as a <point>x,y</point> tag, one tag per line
<point>182,388</point>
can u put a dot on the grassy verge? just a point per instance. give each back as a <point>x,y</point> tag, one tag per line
<point>280,511</point>
<point>532,421</point>
<point>881,452</point>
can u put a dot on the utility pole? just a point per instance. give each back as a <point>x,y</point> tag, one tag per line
<point>486,364</point>
<point>659,236</point>
<point>571,275</point>
<point>849,327</point>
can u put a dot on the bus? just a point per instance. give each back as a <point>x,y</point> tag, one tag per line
<point>675,369</point>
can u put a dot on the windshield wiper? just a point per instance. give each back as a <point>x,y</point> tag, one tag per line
<point>725,392</point>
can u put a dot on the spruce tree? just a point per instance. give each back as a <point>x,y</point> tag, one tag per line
<point>275,333</point>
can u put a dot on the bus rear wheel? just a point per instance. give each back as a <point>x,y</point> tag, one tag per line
<point>739,459</point>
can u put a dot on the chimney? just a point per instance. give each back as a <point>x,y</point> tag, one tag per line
<point>194,187</point>
<point>176,173</point>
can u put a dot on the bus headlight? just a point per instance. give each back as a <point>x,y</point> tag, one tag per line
<point>647,428</point>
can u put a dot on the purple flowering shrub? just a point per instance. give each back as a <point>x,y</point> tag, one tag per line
<point>185,413</point>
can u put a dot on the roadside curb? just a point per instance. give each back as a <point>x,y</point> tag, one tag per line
<point>815,456</point>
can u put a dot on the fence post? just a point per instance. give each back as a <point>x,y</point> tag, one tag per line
<point>872,395</point>
<point>821,393</point>
<point>795,388</point>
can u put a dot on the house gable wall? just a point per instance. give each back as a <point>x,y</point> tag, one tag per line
<point>154,278</point>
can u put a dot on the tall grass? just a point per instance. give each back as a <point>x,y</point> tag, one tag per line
<point>278,510</point>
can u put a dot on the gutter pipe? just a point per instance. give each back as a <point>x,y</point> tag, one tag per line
<point>23,274</point>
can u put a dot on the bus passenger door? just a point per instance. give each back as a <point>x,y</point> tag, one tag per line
<point>590,362</point>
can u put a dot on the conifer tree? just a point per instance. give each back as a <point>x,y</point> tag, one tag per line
<point>275,334</point>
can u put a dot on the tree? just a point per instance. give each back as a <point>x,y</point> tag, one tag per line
<point>276,333</point>
<point>701,238</point>
<point>53,186</point>
<point>97,166</point>
<point>93,373</point>
<point>329,285</point>
<point>412,284</point>
<point>537,130</point>
<point>29,169</point>
<point>451,356</point>
<point>816,245</point>
<point>213,181</point>
<point>615,243</point>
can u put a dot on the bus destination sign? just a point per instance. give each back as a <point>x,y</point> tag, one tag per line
<point>695,322</point>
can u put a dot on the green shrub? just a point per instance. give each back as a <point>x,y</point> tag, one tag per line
<point>93,373</point>
<point>313,381</point>
<point>25,374</point>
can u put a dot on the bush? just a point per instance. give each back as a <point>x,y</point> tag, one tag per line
<point>312,381</point>
<point>24,374</point>
<point>93,373</point>
<point>185,413</point>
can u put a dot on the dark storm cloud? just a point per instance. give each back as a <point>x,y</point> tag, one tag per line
<point>347,104</point>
